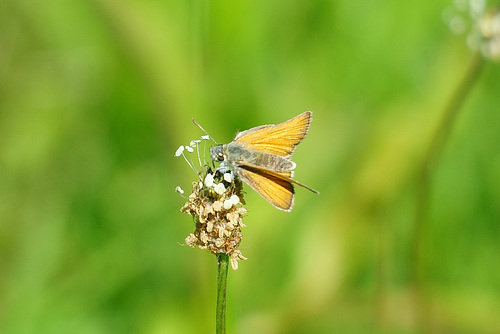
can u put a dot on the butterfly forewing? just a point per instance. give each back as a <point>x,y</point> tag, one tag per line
<point>280,139</point>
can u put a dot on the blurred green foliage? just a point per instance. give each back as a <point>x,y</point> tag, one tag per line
<point>95,97</point>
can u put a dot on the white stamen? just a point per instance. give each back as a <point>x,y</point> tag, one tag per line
<point>194,143</point>
<point>179,190</point>
<point>204,150</point>
<point>205,137</point>
<point>190,162</point>
<point>179,151</point>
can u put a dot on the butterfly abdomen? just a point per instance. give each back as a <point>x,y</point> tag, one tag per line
<point>272,162</point>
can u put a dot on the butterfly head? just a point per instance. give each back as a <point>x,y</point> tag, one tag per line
<point>217,153</point>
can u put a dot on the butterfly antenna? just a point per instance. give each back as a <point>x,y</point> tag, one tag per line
<point>202,129</point>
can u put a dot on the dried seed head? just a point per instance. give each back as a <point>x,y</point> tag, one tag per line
<point>216,206</point>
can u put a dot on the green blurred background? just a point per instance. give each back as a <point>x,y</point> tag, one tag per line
<point>96,96</point>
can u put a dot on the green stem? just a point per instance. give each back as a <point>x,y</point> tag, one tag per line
<point>220,315</point>
<point>427,169</point>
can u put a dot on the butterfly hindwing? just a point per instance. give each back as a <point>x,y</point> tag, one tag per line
<point>276,190</point>
<point>286,176</point>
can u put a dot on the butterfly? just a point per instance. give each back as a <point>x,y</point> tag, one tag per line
<point>261,157</point>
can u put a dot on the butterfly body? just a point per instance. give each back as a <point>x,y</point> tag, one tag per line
<point>236,155</point>
<point>261,157</point>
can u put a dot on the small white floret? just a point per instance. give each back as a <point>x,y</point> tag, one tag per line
<point>219,188</point>
<point>234,199</point>
<point>227,204</point>
<point>209,180</point>
<point>228,177</point>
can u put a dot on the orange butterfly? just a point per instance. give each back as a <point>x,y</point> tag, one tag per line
<point>261,157</point>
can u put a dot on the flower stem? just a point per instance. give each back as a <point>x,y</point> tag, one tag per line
<point>220,315</point>
<point>427,169</point>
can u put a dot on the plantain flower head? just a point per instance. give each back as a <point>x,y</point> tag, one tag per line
<point>216,206</point>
